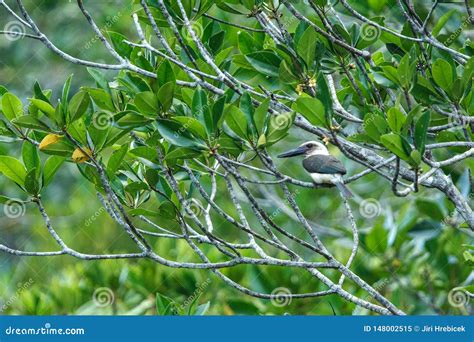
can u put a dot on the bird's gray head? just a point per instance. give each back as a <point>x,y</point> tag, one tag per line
<point>309,148</point>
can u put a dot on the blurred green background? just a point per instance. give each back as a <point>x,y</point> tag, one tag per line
<point>411,250</point>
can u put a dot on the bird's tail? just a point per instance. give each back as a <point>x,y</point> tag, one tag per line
<point>343,189</point>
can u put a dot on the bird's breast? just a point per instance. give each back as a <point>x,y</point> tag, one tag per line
<point>324,178</point>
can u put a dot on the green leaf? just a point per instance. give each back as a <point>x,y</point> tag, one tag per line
<point>236,121</point>
<point>395,119</point>
<point>30,156</point>
<point>405,71</point>
<point>312,109</point>
<point>51,166</point>
<point>201,110</point>
<point>29,121</point>
<point>100,79</point>
<point>116,160</point>
<point>40,94</point>
<point>415,155</point>
<point>172,132</point>
<point>165,95</point>
<point>45,107</point>
<point>60,115</point>
<point>192,125</point>
<point>147,103</point>
<point>218,113</point>
<point>391,73</point>
<point>60,148</point>
<point>165,73</point>
<point>11,106</point>
<point>260,116</point>
<point>307,46</point>
<point>409,118</point>
<point>65,93</point>
<point>247,44</point>
<point>145,152</point>
<point>265,62</point>
<point>181,153</point>
<point>131,119</point>
<point>13,169</point>
<point>101,98</point>
<point>442,21</point>
<point>443,74</point>
<point>394,143</point>
<point>78,105</point>
<point>247,108</point>
<point>122,48</point>
<point>164,305</point>
<point>421,128</point>
<point>31,182</point>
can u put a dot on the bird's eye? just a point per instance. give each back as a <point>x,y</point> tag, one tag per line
<point>310,145</point>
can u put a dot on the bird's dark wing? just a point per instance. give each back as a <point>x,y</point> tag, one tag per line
<point>323,164</point>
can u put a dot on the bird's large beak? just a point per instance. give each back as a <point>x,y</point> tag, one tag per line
<point>295,152</point>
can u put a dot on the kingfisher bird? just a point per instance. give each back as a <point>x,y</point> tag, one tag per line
<point>322,167</point>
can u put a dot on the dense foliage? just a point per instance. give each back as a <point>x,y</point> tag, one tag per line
<point>164,156</point>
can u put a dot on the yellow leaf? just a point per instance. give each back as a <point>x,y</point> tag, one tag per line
<point>80,157</point>
<point>49,140</point>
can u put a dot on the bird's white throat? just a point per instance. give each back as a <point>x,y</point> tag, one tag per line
<point>318,152</point>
